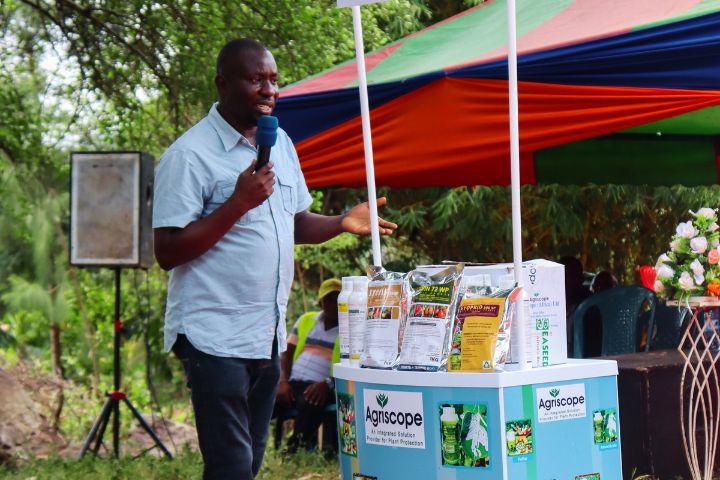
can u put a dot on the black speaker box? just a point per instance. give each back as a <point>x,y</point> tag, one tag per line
<point>111,209</point>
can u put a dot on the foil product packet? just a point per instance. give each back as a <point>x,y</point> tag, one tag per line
<point>432,298</point>
<point>481,328</point>
<point>385,314</point>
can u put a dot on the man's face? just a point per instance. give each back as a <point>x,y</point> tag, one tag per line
<point>248,86</point>
<point>329,305</point>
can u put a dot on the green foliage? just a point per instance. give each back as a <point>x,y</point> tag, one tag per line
<point>187,465</point>
<point>615,227</point>
<point>127,75</point>
<point>134,75</point>
<point>153,62</point>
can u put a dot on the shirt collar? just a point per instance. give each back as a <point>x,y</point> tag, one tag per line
<point>228,135</point>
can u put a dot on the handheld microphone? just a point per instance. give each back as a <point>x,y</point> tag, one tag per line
<point>265,138</point>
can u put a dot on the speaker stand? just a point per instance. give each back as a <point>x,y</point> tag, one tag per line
<point>112,403</point>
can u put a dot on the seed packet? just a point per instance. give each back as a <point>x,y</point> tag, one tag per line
<point>432,300</point>
<point>384,318</point>
<point>481,329</point>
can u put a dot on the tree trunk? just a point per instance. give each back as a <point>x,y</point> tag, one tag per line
<point>301,279</point>
<point>55,353</point>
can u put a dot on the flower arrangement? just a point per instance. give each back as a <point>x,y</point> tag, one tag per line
<point>691,266</point>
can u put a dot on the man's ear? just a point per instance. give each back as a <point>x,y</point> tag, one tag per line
<point>220,84</point>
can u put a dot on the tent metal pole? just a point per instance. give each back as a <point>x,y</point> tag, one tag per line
<point>520,329</point>
<point>367,135</point>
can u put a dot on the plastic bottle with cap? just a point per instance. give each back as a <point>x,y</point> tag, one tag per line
<point>343,320</point>
<point>357,317</point>
<point>450,446</point>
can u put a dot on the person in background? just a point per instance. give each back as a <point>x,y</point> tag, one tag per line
<point>602,281</point>
<point>592,345</point>
<point>575,292</point>
<point>306,382</point>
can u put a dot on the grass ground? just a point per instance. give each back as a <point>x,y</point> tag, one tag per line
<point>188,465</point>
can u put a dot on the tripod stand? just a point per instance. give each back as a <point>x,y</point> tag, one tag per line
<point>112,403</point>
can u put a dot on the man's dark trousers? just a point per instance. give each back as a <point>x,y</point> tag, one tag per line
<point>233,402</point>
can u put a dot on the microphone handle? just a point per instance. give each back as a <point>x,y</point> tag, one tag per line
<point>263,156</point>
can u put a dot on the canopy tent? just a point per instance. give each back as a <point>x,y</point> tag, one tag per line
<point>587,69</point>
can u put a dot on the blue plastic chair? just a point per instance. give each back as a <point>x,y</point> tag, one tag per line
<point>669,322</point>
<point>620,310</point>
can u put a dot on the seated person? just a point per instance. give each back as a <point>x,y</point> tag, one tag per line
<point>604,280</point>
<point>592,345</point>
<point>306,370</point>
<point>575,293</point>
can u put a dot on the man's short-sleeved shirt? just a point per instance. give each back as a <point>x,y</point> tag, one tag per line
<point>313,363</point>
<point>231,300</point>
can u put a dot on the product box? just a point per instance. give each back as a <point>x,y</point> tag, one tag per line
<point>544,282</point>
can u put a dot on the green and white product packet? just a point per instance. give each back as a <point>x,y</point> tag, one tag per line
<point>432,300</point>
<point>385,312</point>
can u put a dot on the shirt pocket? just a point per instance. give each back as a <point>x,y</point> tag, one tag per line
<point>222,192</point>
<point>288,192</point>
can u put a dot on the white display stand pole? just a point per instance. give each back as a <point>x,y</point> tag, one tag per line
<point>520,327</point>
<point>367,134</point>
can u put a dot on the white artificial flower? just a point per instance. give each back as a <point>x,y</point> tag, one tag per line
<point>674,245</point>
<point>706,212</point>
<point>686,281</point>
<point>714,226</point>
<point>686,229</point>
<point>699,244</point>
<point>661,259</point>
<point>658,286</point>
<point>697,267</point>
<point>699,279</point>
<point>665,272</point>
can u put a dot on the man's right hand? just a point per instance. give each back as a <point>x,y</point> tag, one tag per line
<point>285,395</point>
<point>253,188</point>
<point>176,246</point>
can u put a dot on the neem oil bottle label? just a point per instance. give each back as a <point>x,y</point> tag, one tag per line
<point>394,419</point>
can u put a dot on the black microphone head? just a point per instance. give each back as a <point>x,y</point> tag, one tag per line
<point>266,131</point>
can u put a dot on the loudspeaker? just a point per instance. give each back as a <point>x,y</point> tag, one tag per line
<point>111,209</point>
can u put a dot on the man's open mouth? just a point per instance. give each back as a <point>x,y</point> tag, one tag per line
<point>264,108</point>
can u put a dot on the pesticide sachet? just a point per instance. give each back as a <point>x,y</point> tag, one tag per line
<point>481,329</point>
<point>384,318</point>
<point>432,300</point>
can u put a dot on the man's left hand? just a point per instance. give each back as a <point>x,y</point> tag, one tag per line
<point>357,220</point>
<point>317,394</point>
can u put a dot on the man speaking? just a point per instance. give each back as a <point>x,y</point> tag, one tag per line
<point>226,233</point>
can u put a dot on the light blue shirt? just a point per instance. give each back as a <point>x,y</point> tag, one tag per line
<point>231,300</point>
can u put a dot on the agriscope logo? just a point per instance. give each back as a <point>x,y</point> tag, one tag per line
<point>394,418</point>
<point>389,417</point>
<point>561,403</point>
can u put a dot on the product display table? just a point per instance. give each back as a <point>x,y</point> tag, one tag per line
<point>558,422</point>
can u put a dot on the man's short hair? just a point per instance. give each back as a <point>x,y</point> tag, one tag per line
<point>232,49</point>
